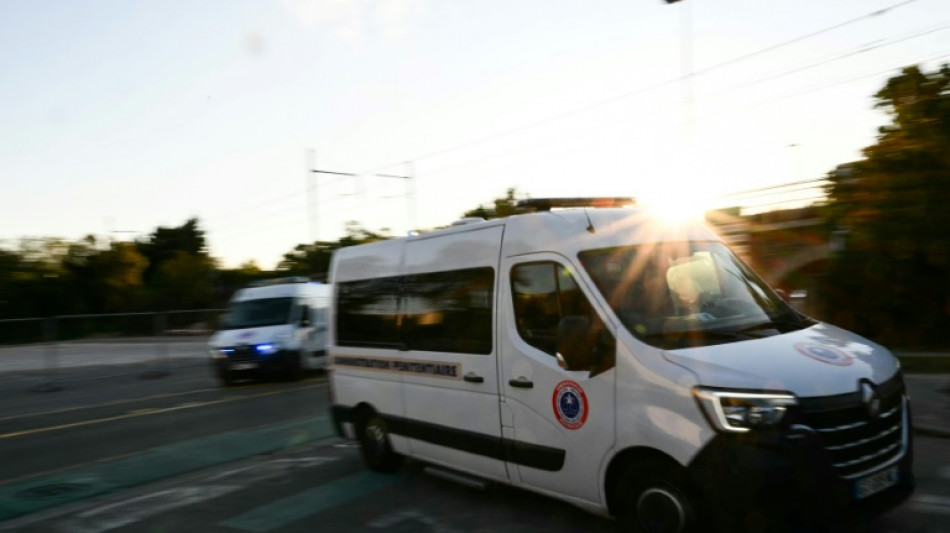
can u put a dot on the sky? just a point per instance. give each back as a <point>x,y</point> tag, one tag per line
<point>117,117</point>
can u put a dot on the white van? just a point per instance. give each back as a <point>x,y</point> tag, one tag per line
<point>274,327</point>
<point>629,366</point>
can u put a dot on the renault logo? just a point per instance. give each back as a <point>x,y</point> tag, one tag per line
<point>870,399</point>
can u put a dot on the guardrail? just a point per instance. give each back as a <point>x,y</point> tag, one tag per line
<point>152,343</point>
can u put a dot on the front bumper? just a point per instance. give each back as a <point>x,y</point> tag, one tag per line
<point>822,469</point>
<point>241,363</point>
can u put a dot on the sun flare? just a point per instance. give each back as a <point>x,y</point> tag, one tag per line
<point>677,205</point>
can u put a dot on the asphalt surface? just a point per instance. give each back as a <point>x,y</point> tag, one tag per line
<point>134,447</point>
<point>55,367</point>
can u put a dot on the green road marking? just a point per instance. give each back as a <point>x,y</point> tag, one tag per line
<point>156,463</point>
<point>309,502</point>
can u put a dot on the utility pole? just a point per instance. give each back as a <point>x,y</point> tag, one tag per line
<point>311,195</point>
<point>408,175</point>
<point>410,191</point>
<point>312,191</point>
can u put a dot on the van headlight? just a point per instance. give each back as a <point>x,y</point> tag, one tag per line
<point>220,353</point>
<point>739,412</point>
<point>268,348</point>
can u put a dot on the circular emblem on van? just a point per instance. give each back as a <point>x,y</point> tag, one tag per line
<point>570,404</point>
<point>825,354</point>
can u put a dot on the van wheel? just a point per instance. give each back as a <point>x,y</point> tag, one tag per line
<point>655,498</point>
<point>377,451</point>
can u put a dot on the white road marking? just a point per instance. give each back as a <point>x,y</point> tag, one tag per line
<point>303,462</point>
<point>133,510</point>
<point>412,515</point>
<point>931,504</point>
<point>233,471</point>
<point>261,471</point>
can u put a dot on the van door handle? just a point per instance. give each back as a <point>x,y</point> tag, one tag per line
<point>521,382</point>
<point>472,377</point>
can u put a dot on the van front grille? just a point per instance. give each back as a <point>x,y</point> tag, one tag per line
<point>857,440</point>
<point>242,353</point>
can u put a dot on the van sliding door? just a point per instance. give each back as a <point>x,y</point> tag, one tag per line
<point>451,379</point>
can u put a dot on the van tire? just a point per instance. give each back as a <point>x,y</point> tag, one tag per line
<point>655,497</point>
<point>377,451</point>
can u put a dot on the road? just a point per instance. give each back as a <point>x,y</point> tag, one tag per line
<point>160,351</point>
<point>179,453</point>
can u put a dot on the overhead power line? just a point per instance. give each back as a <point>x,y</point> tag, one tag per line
<point>801,38</point>
<point>623,96</point>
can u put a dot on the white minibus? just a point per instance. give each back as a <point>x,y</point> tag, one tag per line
<point>631,366</point>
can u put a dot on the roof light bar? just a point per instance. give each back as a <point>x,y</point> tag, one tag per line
<point>546,204</point>
<point>279,281</point>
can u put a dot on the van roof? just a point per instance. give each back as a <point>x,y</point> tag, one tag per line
<point>282,290</point>
<point>563,231</point>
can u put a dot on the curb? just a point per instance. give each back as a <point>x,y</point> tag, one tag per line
<point>932,431</point>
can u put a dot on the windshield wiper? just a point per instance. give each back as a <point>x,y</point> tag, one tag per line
<point>782,326</point>
<point>691,337</point>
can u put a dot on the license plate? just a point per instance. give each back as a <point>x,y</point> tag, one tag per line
<point>875,483</point>
<point>243,366</point>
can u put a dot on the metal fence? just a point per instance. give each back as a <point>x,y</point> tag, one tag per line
<point>97,345</point>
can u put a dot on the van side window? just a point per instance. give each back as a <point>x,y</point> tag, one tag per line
<point>553,315</point>
<point>450,311</point>
<point>368,313</point>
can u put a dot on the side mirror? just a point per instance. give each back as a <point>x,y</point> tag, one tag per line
<point>575,343</point>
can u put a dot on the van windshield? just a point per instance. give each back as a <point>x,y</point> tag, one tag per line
<point>258,313</point>
<point>683,294</point>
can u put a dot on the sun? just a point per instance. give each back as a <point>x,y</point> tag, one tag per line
<point>676,204</point>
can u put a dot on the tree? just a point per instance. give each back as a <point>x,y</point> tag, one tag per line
<point>186,281</point>
<point>164,244</point>
<point>314,259</point>
<point>895,269</point>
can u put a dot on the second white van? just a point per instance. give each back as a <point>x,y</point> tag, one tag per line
<point>272,328</point>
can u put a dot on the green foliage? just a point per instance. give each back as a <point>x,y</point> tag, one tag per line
<point>186,281</point>
<point>313,260</point>
<point>164,244</point>
<point>169,269</point>
<point>892,280</point>
<point>110,278</point>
